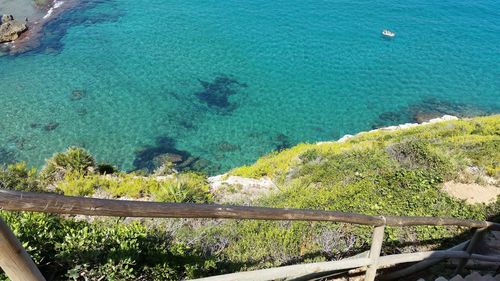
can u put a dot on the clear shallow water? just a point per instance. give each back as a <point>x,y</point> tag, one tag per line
<point>228,81</point>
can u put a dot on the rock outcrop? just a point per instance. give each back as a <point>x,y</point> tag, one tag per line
<point>239,190</point>
<point>10,29</point>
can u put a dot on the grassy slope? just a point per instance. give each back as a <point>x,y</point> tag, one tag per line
<point>381,172</point>
<point>397,173</point>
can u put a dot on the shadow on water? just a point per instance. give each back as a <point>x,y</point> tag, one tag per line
<point>425,110</point>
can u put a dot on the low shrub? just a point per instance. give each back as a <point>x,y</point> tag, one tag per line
<point>74,159</point>
<point>19,177</point>
<point>76,184</point>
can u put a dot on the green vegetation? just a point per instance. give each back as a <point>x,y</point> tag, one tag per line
<point>380,172</point>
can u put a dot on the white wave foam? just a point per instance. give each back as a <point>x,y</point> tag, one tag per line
<point>56,5</point>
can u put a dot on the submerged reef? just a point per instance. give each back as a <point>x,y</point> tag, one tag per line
<point>147,158</point>
<point>281,142</point>
<point>217,92</point>
<point>227,147</point>
<point>425,110</point>
<point>22,143</point>
<point>7,156</point>
<point>152,157</point>
<point>77,95</point>
<point>51,126</point>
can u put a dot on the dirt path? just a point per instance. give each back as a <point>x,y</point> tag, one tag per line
<point>472,192</point>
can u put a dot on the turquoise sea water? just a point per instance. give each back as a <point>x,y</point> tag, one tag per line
<point>228,81</point>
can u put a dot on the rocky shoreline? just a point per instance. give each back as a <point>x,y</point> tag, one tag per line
<point>18,36</point>
<point>11,29</point>
<point>396,127</point>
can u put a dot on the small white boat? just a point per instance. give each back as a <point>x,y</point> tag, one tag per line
<point>388,33</point>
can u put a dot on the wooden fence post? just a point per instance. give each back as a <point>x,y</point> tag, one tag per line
<point>478,234</point>
<point>376,247</point>
<point>14,260</point>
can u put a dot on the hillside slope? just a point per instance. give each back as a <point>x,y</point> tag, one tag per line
<point>399,172</point>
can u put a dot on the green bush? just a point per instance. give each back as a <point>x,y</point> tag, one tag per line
<point>74,159</point>
<point>188,187</point>
<point>19,177</point>
<point>105,249</point>
<point>76,184</point>
<point>181,188</point>
<point>418,154</point>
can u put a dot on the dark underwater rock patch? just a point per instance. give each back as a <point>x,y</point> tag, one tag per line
<point>81,111</point>
<point>77,95</point>
<point>51,126</point>
<point>227,147</point>
<point>187,124</point>
<point>147,157</point>
<point>217,92</point>
<point>281,142</point>
<point>151,157</point>
<point>7,156</point>
<point>425,110</point>
<point>23,144</point>
<point>35,125</point>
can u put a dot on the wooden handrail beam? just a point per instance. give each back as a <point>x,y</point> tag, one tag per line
<point>59,204</point>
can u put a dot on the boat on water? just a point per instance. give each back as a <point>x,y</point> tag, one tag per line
<point>388,33</point>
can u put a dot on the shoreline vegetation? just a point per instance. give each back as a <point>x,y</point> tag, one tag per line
<point>398,170</point>
<point>25,31</point>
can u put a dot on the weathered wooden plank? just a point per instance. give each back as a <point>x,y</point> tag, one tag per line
<point>406,221</point>
<point>478,234</point>
<point>421,265</point>
<point>14,260</point>
<point>419,256</point>
<point>414,257</point>
<point>53,203</point>
<point>315,276</point>
<point>305,269</point>
<point>289,271</point>
<point>376,247</point>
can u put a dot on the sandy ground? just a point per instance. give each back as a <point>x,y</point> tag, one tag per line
<point>472,192</point>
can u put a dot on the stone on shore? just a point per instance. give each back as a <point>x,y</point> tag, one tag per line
<point>10,29</point>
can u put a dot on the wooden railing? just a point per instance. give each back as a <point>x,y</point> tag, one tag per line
<point>18,265</point>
